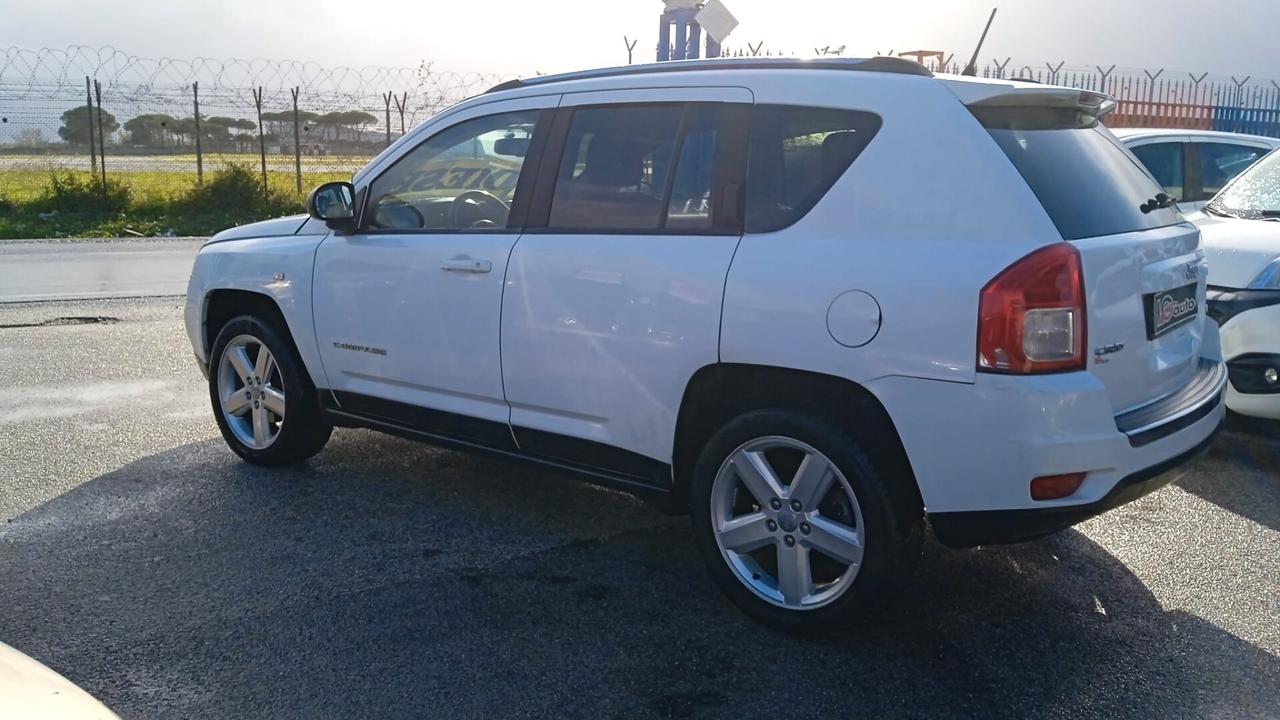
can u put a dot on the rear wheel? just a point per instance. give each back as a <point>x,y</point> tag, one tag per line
<point>263,400</point>
<point>795,522</point>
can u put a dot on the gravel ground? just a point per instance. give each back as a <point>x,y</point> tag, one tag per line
<point>388,579</point>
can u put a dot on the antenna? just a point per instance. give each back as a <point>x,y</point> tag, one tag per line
<point>972,68</point>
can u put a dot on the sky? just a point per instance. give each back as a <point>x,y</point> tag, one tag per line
<point>523,36</point>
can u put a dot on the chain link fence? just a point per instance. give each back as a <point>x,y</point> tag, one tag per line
<point>94,135</point>
<point>165,126</point>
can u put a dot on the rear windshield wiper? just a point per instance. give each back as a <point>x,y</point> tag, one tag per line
<point>1159,202</point>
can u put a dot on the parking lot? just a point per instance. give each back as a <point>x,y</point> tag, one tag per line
<point>387,579</point>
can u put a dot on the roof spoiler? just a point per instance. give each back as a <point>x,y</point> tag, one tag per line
<point>1018,94</point>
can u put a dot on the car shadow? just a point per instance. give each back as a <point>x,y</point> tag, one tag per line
<point>390,580</point>
<point>1241,472</point>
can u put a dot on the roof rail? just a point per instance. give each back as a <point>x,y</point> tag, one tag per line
<point>883,64</point>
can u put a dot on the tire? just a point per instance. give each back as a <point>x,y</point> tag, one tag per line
<point>859,503</point>
<point>300,430</point>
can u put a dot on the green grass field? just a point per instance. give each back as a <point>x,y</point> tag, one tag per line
<point>152,194</point>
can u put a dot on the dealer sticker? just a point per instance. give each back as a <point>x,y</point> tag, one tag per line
<point>1168,310</point>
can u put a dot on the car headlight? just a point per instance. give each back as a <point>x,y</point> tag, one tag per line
<point>1269,278</point>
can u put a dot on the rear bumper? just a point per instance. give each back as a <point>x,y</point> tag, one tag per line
<point>975,447</point>
<point>995,527</point>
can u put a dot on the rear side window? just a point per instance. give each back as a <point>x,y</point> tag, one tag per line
<point>1087,182</point>
<point>795,155</point>
<point>1165,162</point>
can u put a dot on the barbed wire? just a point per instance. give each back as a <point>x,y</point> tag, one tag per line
<point>50,74</point>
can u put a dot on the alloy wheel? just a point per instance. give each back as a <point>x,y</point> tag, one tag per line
<point>251,392</point>
<point>787,522</point>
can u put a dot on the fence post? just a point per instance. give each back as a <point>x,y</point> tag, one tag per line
<point>297,141</point>
<point>262,142</point>
<point>195,100</point>
<point>88,118</point>
<point>1053,71</point>
<point>386,100</point>
<point>102,143</point>
<point>401,104</point>
<point>1237,114</point>
<point>1105,75</point>
<point>1196,100</point>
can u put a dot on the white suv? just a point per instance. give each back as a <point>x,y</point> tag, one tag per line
<point>818,305</point>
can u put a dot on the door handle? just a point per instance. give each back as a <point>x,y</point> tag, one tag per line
<point>463,263</point>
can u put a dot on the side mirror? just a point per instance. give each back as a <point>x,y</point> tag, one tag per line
<point>335,204</point>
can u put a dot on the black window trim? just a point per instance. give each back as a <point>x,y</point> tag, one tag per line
<point>1192,178</point>
<point>728,169</point>
<point>520,200</point>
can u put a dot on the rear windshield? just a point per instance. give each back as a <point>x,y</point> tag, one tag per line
<point>1255,194</point>
<point>1087,182</point>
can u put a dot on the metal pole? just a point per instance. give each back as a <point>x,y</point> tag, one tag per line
<point>664,38</point>
<point>402,102</point>
<point>262,142</point>
<point>195,99</point>
<point>88,118</point>
<point>972,68</point>
<point>102,143</point>
<point>386,99</point>
<point>297,141</point>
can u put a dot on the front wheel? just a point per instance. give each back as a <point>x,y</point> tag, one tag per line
<point>796,524</point>
<point>263,400</point>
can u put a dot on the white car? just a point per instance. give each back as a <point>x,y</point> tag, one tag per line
<point>31,691</point>
<point>1241,230</point>
<point>822,306</point>
<point>1193,165</point>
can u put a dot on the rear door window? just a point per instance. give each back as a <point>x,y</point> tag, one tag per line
<point>795,155</point>
<point>1165,161</point>
<point>662,168</point>
<point>615,168</point>
<point>1088,183</point>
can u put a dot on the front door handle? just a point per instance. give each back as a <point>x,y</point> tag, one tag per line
<point>462,263</point>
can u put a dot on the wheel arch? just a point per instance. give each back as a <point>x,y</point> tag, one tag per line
<point>717,393</point>
<point>222,304</point>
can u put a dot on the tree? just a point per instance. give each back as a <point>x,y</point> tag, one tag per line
<point>151,129</point>
<point>281,123</point>
<point>31,137</point>
<point>230,123</point>
<point>353,120</point>
<point>75,124</point>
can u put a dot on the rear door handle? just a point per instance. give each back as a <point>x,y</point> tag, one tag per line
<point>463,263</point>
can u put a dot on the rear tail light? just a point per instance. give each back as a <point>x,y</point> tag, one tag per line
<point>1055,487</point>
<point>1031,316</point>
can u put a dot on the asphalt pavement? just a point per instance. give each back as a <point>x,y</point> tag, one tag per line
<point>387,579</point>
<point>80,269</point>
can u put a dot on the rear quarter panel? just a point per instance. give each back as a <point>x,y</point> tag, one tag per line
<point>927,214</point>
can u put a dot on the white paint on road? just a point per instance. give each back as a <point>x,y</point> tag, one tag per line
<point>95,269</point>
